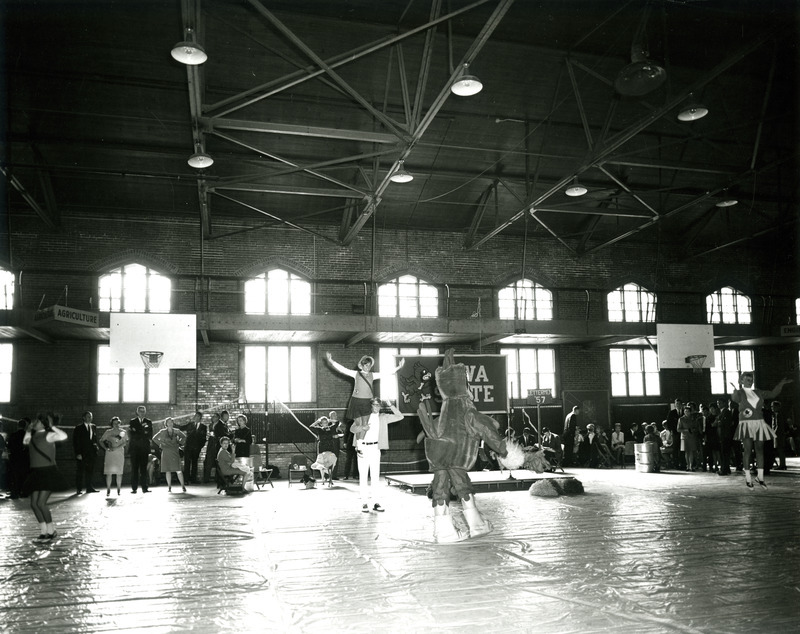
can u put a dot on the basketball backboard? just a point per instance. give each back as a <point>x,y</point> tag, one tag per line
<point>676,342</point>
<point>173,335</point>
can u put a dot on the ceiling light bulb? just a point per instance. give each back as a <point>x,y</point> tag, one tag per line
<point>189,53</point>
<point>401,175</point>
<point>692,113</point>
<point>727,202</point>
<point>200,160</point>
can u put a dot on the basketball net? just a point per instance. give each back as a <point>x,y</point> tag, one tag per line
<point>696,361</point>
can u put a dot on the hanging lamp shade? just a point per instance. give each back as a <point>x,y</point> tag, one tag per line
<point>466,85</point>
<point>201,160</point>
<point>401,175</point>
<point>575,189</point>
<point>189,53</point>
<point>692,112</point>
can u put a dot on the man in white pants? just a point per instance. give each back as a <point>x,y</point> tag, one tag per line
<point>368,443</point>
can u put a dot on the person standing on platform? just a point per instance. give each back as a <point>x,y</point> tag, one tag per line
<point>44,477</point>
<point>359,408</point>
<point>18,460</point>
<point>114,441</point>
<point>371,438</point>
<point>85,444</point>
<point>196,436</point>
<point>140,432</point>
<point>568,437</point>
<point>752,429</point>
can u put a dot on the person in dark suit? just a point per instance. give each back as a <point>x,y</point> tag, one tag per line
<point>196,436</point>
<point>85,444</point>
<point>18,460</point>
<point>568,437</point>
<point>140,433</point>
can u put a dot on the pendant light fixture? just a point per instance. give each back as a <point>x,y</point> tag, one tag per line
<point>189,52</point>
<point>575,189</point>
<point>400,175</point>
<point>466,85</point>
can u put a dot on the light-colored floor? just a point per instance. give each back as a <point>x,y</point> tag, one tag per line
<point>670,552</point>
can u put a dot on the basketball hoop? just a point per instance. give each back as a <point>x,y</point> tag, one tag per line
<point>151,359</point>
<point>696,361</point>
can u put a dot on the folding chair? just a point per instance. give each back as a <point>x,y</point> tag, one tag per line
<point>231,484</point>
<point>298,467</point>
<point>260,475</point>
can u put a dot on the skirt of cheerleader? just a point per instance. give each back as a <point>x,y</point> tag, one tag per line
<point>358,408</point>
<point>755,429</point>
<point>44,479</point>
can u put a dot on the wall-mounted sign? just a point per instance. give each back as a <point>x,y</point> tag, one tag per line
<point>68,315</point>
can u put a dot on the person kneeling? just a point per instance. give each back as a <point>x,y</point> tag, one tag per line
<point>228,467</point>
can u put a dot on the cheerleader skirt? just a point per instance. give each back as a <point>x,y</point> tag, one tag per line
<point>44,479</point>
<point>755,429</point>
<point>358,408</point>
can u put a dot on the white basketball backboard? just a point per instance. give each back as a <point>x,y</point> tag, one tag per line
<point>173,335</point>
<point>676,342</point>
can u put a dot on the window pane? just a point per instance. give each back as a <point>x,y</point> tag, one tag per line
<point>7,284</point>
<point>505,301</point>
<point>718,383</point>
<point>300,297</point>
<point>278,377</point>
<point>634,359</point>
<point>157,385</point>
<point>650,361</point>
<point>134,288</point>
<point>278,293</point>
<point>428,301</point>
<point>387,300</point>
<point>108,388</point>
<point>160,289</point>
<point>387,388</point>
<point>6,359</point>
<point>111,292</point>
<point>618,385</point>
<point>255,374</point>
<point>301,373</point>
<point>651,384</point>
<point>547,361</point>
<point>255,299</point>
<point>635,384</point>
<point>133,385</point>
<point>617,357</point>
<point>746,359</point>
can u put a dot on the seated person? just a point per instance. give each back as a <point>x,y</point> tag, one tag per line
<point>551,443</point>
<point>228,467</point>
<point>603,451</point>
<point>666,444</point>
<point>618,443</point>
<point>325,463</point>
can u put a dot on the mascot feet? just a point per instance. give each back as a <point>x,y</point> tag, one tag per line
<point>444,532</point>
<point>478,525</point>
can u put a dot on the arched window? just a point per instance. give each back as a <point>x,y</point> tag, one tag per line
<point>7,279</point>
<point>525,299</point>
<point>631,302</point>
<point>728,306</point>
<point>728,364</point>
<point>408,296</point>
<point>530,368</point>
<point>277,292</point>
<point>134,288</point>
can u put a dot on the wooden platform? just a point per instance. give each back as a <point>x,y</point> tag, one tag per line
<point>513,480</point>
<point>672,553</point>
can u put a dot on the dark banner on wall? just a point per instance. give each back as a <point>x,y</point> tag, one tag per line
<point>486,376</point>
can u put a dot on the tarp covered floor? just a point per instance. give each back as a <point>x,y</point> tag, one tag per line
<point>669,552</point>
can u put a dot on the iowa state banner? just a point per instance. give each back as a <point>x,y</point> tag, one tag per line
<point>416,381</point>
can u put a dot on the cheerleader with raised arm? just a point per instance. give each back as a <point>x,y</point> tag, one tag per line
<point>752,429</point>
<point>40,437</point>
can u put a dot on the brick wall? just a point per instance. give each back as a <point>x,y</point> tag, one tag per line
<point>59,375</point>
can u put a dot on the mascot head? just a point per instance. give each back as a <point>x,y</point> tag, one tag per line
<point>451,377</point>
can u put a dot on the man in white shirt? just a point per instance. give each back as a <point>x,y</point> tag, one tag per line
<point>368,443</point>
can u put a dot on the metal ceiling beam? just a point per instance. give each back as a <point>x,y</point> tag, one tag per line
<point>480,41</point>
<point>606,149</point>
<point>300,77</point>
<point>581,110</point>
<point>280,159</point>
<point>274,217</point>
<point>480,210</point>
<point>747,238</point>
<point>329,71</point>
<point>212,124</point>
<point>290,190</point>
<point>40,211</point>
<point>627,189</point>
<point>356,338</point>
<point>425,65</point>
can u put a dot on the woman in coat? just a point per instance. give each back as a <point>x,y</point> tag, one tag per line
<point>170,440</point>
